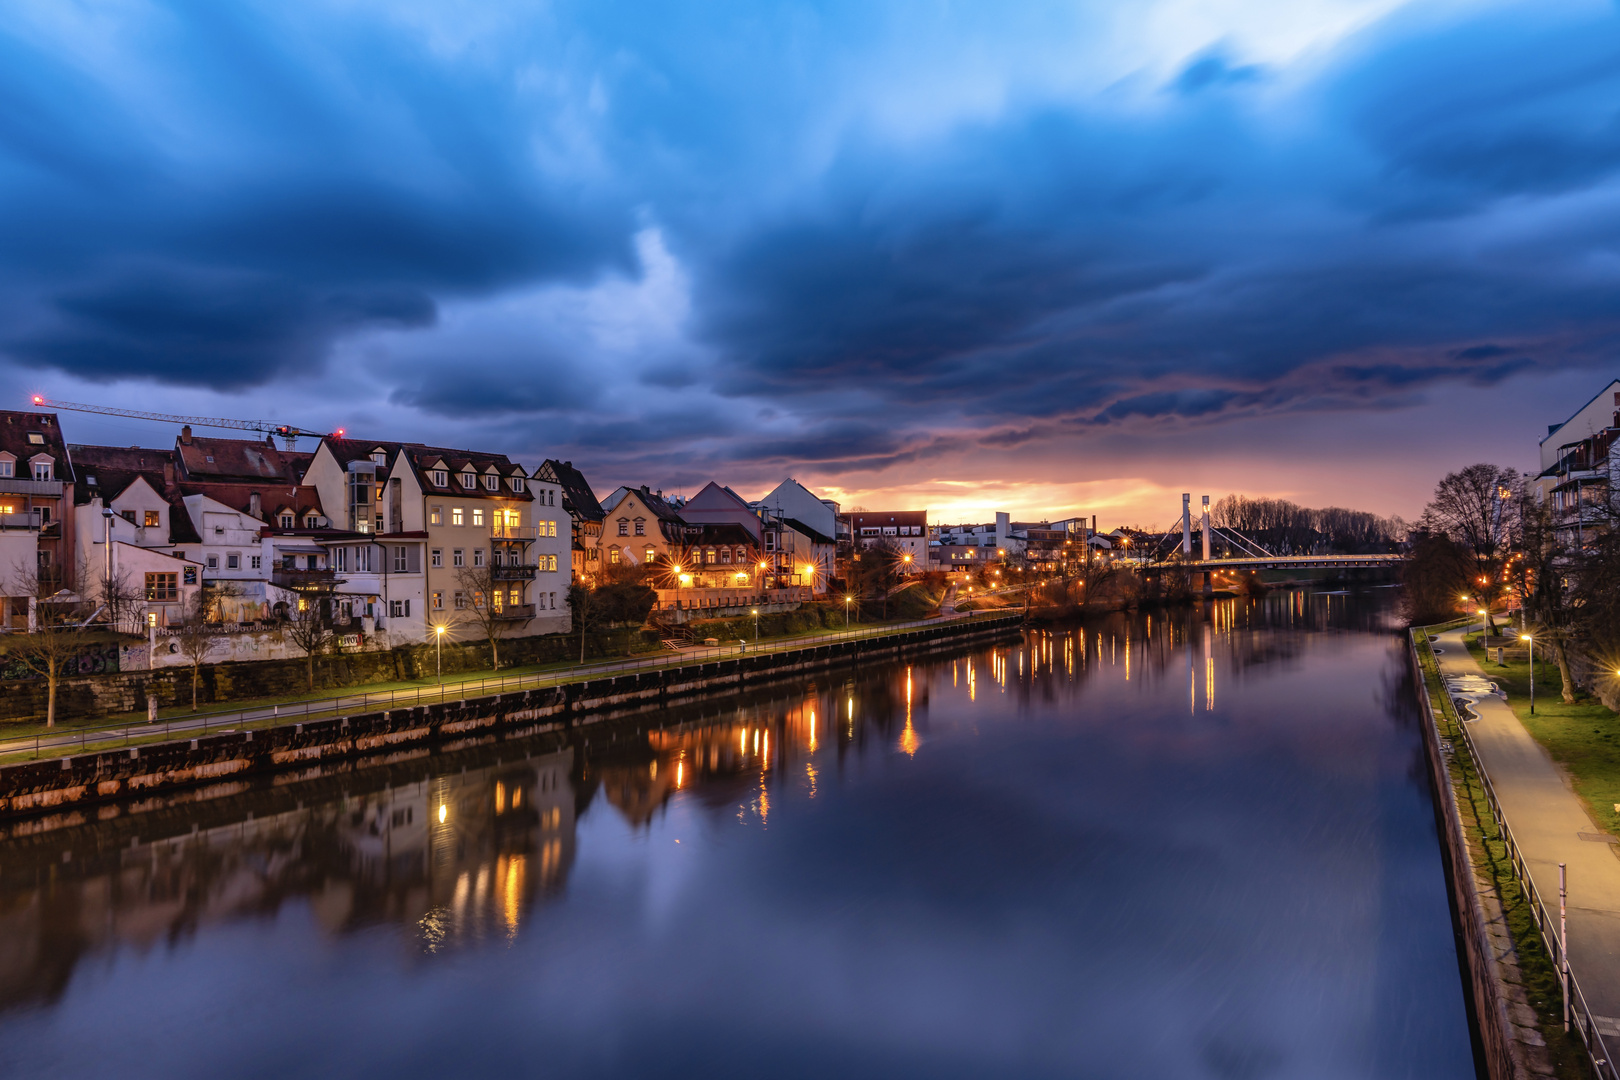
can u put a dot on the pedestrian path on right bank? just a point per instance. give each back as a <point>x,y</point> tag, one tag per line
<point>1551,827</point>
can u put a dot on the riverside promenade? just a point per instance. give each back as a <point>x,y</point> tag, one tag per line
<point>1551,827</point>
<point>461,690</point>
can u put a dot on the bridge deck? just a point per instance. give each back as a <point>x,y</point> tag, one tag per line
<point>1280,562</point>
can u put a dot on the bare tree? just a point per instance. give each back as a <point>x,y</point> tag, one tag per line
<point>117,598</point>
<point>57,632</point>
<point>1475,507</point>
<point>310,629</point>
<point>485,609</point>
<point>879,570</point>
<point>199,630</point>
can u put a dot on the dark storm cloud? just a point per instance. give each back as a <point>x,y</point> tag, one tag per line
<point>870,271</point>
<point>292,181</point>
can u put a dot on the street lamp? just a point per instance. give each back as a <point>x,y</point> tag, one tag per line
<point>438,650</point>
<point>847,600</point>
<point>1483,615</point>
<point>1531,639</point>
<point>756,625</point>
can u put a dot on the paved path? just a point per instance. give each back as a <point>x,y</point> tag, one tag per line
<point>1547,819</point>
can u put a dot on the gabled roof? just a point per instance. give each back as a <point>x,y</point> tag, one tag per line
<point>578,499</point>
<point>247,460</point>
<point>15,429</point>
<point>425,458</point>
<point>1553,429</point>
<point>105,472</point>
<point>800,527</point>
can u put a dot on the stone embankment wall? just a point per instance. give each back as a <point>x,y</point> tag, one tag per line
<point>1486,940</point>
<point>153,769</point>
<point>121,692</point>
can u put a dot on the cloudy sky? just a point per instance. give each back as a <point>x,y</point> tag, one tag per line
<point>1051,258</point>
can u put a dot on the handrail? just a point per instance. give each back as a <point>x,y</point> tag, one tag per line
<point>1602,1061</point>
<point>200,723</point>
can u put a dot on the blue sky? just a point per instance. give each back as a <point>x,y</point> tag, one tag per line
<point>1042,257</point>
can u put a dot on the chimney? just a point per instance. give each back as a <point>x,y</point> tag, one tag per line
<point>168,477</point>
<point>253,504</point>
<point>185,435</point>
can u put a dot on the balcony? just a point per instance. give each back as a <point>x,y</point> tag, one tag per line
<point>508,572</point>
<point>305,579</point>
<point>500,531</point>
<point>16,485</point>
<point>26,521</point>
<point>516,612</point>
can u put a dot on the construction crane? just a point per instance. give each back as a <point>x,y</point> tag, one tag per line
<point>289,434</point>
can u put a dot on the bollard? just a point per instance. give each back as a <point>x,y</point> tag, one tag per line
<point>151,707</point>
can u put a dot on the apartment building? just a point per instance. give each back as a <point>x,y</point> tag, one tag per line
<point>585,515</point>
<point>906,529</point>
<point>485,532</point>
<point>1578,459</point>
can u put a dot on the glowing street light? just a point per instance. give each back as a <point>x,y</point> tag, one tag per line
<point>847,600</point>
<point>438,649</point>
<point>756,624</point>
<point>1531,639</point>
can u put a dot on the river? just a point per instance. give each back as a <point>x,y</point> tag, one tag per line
<point>1190,844</point>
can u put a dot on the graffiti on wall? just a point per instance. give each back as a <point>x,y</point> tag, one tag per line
<point>91,660</point>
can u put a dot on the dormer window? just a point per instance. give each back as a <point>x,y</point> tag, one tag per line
<point>441,478</point>
<point>517,483</point>
<point>492,482</point>
<point>379,457</point>
<point>469,480</point>
<point>35,439</point>
<point>310,519</point>
<point>8,466</point>
<point>286,521</point>
<point>42,470</point>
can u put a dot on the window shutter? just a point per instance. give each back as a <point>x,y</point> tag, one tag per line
<point>414,557</point>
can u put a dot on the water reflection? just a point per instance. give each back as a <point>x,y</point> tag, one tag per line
<point>1117,849</point>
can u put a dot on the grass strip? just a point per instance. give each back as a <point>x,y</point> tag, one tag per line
<point>1490,854</point>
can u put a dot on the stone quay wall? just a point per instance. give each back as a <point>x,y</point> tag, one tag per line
<point>153,768</point>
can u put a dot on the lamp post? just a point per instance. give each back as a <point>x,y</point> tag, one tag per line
<point>1483,615</point>
<point>756,625</point>
<point>438,651</point>
<point>1531,639</point>
<point>847,599</point>
<point>106,558</point>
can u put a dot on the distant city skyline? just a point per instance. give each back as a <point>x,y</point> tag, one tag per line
<point>1048,259</point>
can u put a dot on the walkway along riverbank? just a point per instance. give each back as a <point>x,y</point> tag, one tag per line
<point>155,768</point>
<point>1504,919</point>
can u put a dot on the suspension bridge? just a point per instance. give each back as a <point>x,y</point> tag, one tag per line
<point>1250,555</point>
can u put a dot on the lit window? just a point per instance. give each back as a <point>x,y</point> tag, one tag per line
<point>151,519</point>
<point>478,517</point>
<point>613,555</point>
<point>438,601</point>
<point>435,515</point>
<point>650,553</point>
<point>436,557</point>
<point>36,439</point>
<point>516,596</point>
<point>455,515</point>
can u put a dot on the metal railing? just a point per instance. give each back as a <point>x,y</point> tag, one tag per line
<point>195,724</point>
<point>1578,1014</point>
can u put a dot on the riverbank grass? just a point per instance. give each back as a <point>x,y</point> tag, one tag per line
<point>1583,737</point>
<point>1490,856</point>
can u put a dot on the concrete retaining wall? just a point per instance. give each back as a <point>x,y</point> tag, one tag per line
<point>1479,912</point>
<point>58,783</point>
